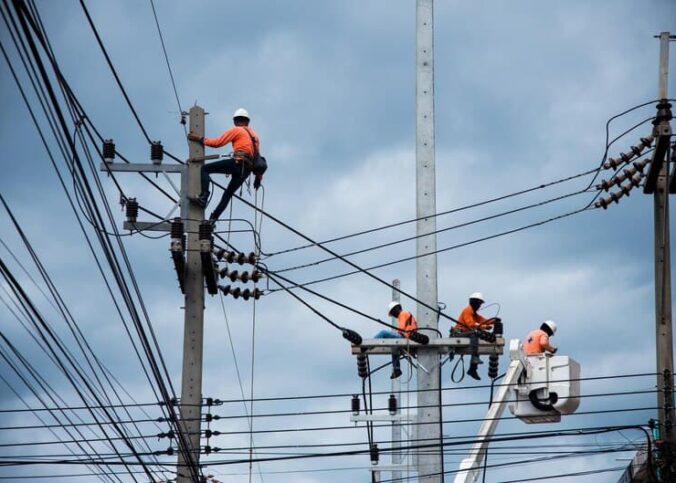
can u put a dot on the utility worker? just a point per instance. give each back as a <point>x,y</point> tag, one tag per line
<point>537,341</point>
<point>406,324</point>
<point>469,321</point>
<point>245,143</point>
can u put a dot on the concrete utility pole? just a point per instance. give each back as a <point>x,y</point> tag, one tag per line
<point>429,462</point>
<point>190,273</point>
<point>193,332</point>
<point>663,332</point>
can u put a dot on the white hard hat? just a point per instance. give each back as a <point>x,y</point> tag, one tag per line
<point>551,324</point>
<point>241,112</point>
<point>478,296</point>
<point>392,305</point>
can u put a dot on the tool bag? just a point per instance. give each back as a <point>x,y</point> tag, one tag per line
<point>258,163</point>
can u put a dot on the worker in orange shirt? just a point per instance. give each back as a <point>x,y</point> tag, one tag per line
<point>245,145</point>
<point>406,324</point>
<point>469,321</point>
<point>537,341</point>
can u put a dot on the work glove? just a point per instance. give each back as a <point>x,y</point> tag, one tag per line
<point>257,182</point>
<point>195,137</point>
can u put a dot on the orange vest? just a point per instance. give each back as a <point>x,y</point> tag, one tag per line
<point>469,320</point>
<point>406,322</point>
<point>239,137</point>
<point>535,342</point>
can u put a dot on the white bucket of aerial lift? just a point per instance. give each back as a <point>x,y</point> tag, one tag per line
<point>540,375</point>
<point>548,387</point>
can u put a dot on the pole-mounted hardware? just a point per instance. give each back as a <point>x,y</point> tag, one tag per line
<point>206,247</point>
<point>156,152</point>
<point>108,151</point>
<point>662,133</point>
<point>178,250</point>
<point>131,210</point>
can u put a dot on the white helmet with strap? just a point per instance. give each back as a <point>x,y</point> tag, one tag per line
<point>392,305</point>
<point>241,112</point>
<point>477,296</point>
<point>551,324</point>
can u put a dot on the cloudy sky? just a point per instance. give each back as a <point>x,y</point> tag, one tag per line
<point>523,93</point>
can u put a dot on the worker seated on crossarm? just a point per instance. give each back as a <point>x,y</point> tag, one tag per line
<point>537,341</point>
<point>406,324</point>
<point>468,323</point>
<point>245,146</point>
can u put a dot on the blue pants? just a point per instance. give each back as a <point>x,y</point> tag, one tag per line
<point>389,334</point>
<point>238,172</point>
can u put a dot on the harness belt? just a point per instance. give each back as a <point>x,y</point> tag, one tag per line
<point>243,158</point>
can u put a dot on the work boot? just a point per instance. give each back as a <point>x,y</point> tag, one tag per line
<point>395,373</point>
<point>200,200</point>
<point>471,372</point>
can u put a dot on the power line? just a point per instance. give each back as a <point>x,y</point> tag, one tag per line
<point>20,7</point>
<point>595,171</point>
<point>435,232</point>
<point>367,270</point>
<point>166,58</point>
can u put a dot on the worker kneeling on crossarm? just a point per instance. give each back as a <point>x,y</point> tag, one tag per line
<point>537,341</point>
<point>406,324</point>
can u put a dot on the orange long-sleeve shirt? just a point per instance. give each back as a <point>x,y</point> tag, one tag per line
<point>406,323</point>
<point>238,136</point>
<point>468,320</point>
<point>536,342</point>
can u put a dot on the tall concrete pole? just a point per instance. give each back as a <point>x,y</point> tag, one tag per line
<point>663,332</point>
<point>430,462</point>
<point>193,334</point>
<point>396,390</point>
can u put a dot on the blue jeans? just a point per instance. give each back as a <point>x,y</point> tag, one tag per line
<point>389,334</point>
<point>238,172</point>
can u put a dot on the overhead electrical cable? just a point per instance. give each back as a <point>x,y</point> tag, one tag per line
<point>23,13</point>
